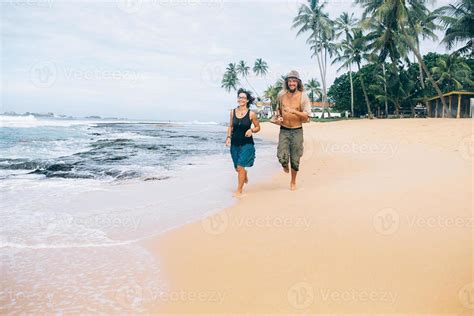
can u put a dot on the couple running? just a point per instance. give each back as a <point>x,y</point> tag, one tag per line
<point>293,109</point>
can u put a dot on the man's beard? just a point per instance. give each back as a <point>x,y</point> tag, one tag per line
<point>292,90</point>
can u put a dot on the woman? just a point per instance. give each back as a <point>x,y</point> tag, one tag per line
<point>239,137</point>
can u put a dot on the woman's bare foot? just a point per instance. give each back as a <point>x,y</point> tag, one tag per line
<point>237,194</point>
<point>292,186</point>
<point>286,169</point>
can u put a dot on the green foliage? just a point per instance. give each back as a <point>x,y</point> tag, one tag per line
<point>403,86</point>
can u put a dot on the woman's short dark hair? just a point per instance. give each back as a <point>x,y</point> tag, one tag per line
<point>250,98</point>
<point>300,85</point>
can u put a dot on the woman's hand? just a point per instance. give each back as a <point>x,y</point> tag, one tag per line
<point>248,133</point>
<point>227,141</point>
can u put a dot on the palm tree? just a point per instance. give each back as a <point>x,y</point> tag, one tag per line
<point>424,26</point>
<point>354,52</point>
<point>260,68</point>
<point>314,88</point>
<point>384,42</point>
<point>453,74</point>
<point>313,19</point>
<point>271,93</point>
<point>243,70</point>
<point>458,20</point>
<point>395,19</point>
<point>230,79</point>
<point>344,26</point>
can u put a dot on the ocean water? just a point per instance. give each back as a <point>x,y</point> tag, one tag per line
<point>77,195</point>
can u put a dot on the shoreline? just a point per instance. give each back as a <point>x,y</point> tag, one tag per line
<point>59,229</point>
<point>326,247</point>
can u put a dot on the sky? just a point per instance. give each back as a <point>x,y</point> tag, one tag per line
<point>148,59</point>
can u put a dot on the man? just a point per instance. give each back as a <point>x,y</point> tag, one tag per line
<point>293,109</point>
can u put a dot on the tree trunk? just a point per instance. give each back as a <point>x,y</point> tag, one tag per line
<point>423,65</point>
<point>444,110</point>
<point>321,74</point>
<point>323,77</point>
<point>450,114</point>
<point>395,71</point>
<point>458,115</point>
<point>369,112</point>
<point>252,87</point>
<point>385,89</point>
<point>422,80</point>
<point>352,91</point>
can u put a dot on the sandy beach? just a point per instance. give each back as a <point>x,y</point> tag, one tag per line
<point>382,222</point>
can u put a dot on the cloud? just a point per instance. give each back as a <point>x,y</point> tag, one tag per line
<point>160,59</point>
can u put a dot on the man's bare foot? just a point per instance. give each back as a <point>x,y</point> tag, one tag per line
<point>286,169</point>
<point>292,186</point>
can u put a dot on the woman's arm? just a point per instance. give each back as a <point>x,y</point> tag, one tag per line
<point>256,124</point>
<point>255,121</point>
<point>229,130</point>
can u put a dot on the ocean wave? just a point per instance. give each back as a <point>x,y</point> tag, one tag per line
<point>30,121</point>
<point>67,245</point>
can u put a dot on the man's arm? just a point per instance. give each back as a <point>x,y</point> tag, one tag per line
<point>279,105</point>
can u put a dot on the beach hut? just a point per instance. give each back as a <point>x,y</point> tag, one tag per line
<point>459,104</point>
<point>317,108</point>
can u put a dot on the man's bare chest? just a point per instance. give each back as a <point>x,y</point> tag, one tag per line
<point>291,102</point>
